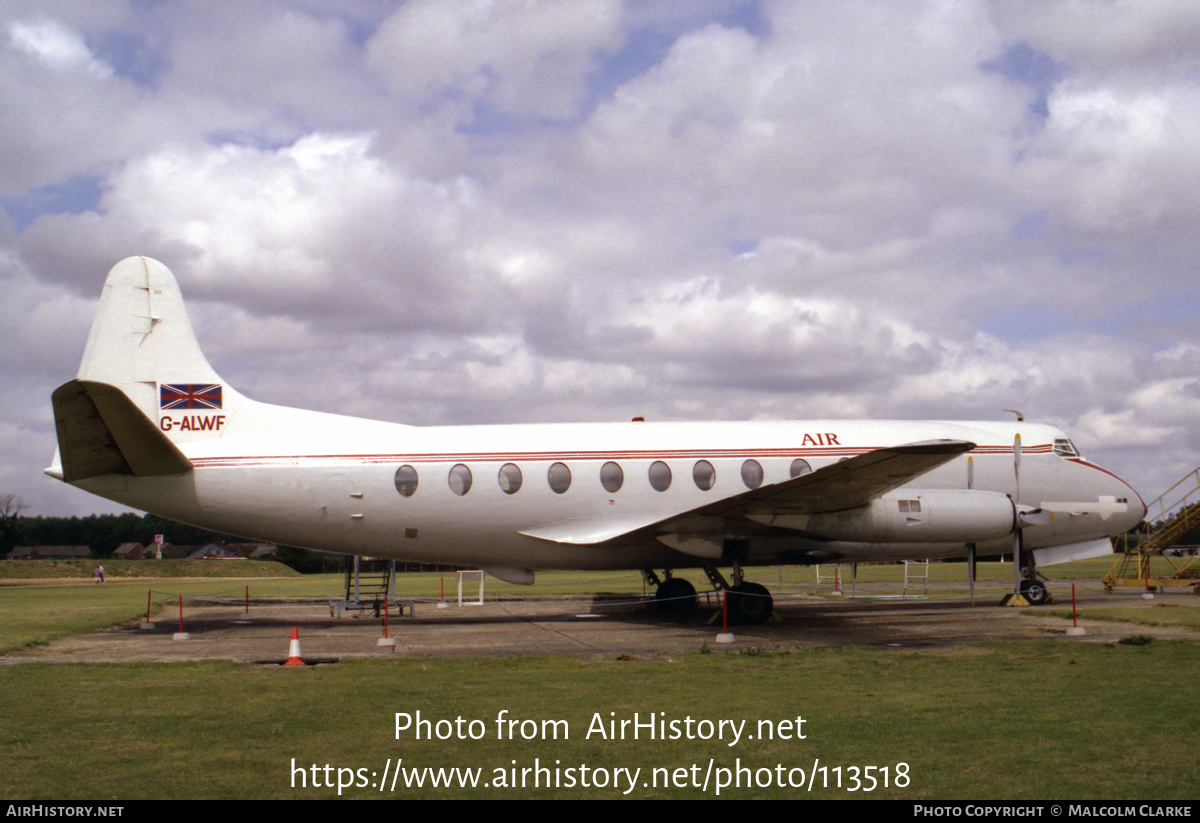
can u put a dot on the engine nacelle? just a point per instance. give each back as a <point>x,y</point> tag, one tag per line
<point>911,516</point>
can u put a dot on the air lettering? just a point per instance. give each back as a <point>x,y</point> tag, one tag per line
<point>820,439</point>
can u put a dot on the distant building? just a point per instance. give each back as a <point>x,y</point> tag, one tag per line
<point>50,553</point>
<point>214,551</point>
<point>172,552</point>
<point>131,551</point>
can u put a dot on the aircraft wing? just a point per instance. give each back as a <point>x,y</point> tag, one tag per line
<point>847,484</point>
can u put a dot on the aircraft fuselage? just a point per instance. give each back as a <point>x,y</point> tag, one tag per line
<point>340,491</point>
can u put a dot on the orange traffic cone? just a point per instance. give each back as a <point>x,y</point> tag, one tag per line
<point>294,650</point>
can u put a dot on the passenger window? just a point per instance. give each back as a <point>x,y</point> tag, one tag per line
<point>752,474</point>
<point>460,480</point>
<point>559,478</point>
<point>611,476</point>
<point>660,476</point>
<point>799,466</point>
<point>704,474</point>
<point>510,478</point>
<point>406,481</point>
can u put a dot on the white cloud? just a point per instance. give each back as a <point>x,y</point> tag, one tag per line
<point>1106,35</point>
<point>522,58</point>
<point>320,228</point>
<point>431,213</point>
<point>1122,160</point>
<point>57,47</point>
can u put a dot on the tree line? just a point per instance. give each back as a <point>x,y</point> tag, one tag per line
<point>102,533</point>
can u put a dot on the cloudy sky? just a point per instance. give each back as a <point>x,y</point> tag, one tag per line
<point>508,211</point>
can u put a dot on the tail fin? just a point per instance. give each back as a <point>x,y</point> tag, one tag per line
<point>144,385</point>
<point>142,337</point>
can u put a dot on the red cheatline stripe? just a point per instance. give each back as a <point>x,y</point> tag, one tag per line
<point>534,457</point>
<point>543,457</point>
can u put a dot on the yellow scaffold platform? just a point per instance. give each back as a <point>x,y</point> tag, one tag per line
<point>1151,567</point>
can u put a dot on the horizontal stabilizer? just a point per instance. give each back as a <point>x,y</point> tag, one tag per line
<point>101,431</point>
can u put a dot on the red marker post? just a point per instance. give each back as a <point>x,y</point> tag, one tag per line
<point>1076,630</point>
<point>386,640</point>
<point>181,634</point>
<point>725,636</point>
<point>146,624</point>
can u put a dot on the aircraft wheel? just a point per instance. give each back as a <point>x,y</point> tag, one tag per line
<point>750,604</point>
<point>1035,592</point>
<point>676,596</point>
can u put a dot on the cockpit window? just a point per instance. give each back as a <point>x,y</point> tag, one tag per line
<point>1065,448</point>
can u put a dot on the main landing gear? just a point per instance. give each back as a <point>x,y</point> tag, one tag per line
<point>749,603</point>
<point>675,596</point>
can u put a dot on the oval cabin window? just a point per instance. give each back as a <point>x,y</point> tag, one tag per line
<point>660,476</point>
<point>406,481</point>
<point>752,474</point>
<point>460,480</point>
<point>510,478</point>
<point>612,477</point>
<point>559,478</point>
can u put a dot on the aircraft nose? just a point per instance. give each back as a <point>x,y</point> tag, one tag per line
<point>1136,510</point>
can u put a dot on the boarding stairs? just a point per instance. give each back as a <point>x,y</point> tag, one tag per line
<point>1150,566</point>
<point>370,587</point>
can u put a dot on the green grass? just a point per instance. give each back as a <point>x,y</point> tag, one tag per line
<point>426,584</point>
<point>80,571</point>
<point>1182,615</point>
<point>1033,720</point>
<point>34,615</point>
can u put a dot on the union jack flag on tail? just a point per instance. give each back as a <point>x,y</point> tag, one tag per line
<point>189,396</point>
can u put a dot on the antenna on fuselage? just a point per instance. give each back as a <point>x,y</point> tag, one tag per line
<point>1020,415</point>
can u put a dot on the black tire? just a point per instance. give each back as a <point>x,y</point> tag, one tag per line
<point>1034,592</point>
<point>676,597</point>
<point>750,604</point>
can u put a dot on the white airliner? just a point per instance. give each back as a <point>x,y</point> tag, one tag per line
<point>148,423</point>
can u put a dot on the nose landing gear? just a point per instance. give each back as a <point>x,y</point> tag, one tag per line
<point>1034,591</point>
